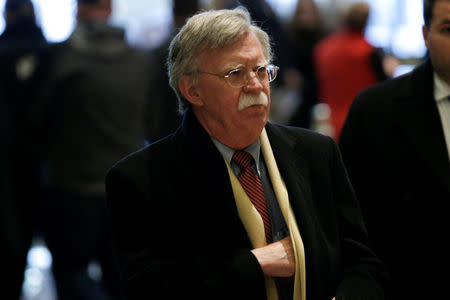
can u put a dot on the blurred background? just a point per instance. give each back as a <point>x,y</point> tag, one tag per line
<point>393,26</point>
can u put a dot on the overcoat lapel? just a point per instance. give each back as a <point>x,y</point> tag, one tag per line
<point>205,169</point>
<point>294,171</point>
<point>420,120</point>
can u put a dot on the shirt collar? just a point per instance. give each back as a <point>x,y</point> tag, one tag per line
<point>227,152</point>
<point>441,88</point>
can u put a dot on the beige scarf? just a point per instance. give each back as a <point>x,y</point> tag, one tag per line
<point>254,225</point>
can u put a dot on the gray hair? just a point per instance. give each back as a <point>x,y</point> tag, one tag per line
<point>208,30</point>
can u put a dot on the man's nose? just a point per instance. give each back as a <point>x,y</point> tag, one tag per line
<point>253,84</point>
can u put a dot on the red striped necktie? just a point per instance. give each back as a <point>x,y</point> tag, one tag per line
<point>253,188</point>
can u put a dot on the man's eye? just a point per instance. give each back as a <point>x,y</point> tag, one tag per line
<point>236,73</point>
<point>261,71</point>
<point>445,29</point>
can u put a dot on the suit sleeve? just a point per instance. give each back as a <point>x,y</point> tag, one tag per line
<point>364,275</point>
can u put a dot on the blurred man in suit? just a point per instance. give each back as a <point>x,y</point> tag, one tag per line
<point>24,55</point>
<point>396,146</point>
<point>95,109</point>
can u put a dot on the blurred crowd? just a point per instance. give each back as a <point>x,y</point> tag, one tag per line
<point>70,110</point>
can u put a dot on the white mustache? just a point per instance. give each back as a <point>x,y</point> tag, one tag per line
<point>247,100</point>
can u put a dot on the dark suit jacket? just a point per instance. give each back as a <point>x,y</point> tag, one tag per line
<point>179,234</point>
<point>93,110</point>
<point>394,149</point>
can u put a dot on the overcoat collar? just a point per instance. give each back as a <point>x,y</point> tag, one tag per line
<point>211,168</point>
<point>294,170</point>
<point>206,169</point>
<point>284,148</point>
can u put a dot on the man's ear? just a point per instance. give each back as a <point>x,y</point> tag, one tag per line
<point>425,34</point>
<point>189,91</point>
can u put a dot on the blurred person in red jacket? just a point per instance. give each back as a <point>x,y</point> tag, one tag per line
<point>346,63</point>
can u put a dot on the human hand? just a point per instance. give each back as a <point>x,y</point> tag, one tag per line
<point>277,259</point>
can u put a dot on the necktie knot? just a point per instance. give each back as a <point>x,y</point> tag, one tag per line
<point>242,158</point>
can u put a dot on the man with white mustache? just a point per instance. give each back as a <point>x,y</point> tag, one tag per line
<point>231,206</point>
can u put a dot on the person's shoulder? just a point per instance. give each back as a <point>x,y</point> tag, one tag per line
<point>292,135</point>
<point>136,54</point>
<point>61,53</point>
<point>155,153</point>
<point>302,143</point>
<point>394,86</point>
<point>140,53</point>
<point>388,91</point>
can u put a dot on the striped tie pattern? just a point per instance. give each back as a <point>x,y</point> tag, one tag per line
<point>253,188</point>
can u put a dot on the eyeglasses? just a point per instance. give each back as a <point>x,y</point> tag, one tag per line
<point>238,78</point>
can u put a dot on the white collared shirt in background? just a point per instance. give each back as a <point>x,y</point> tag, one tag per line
<point>441,93</point>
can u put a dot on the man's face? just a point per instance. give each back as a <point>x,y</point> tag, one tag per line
<point>437,39</point>
<point>224,111</point>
